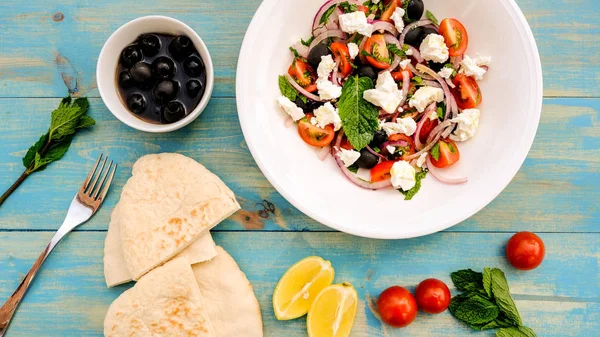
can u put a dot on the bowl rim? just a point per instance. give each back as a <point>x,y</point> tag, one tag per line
<point>537,92</point>
<point>140,124</point>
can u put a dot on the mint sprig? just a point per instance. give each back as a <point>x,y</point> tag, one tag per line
<point>408,195</point>
<point>359,117</point>
<point>289,91</point>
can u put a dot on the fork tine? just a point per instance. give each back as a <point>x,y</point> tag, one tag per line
<point>86,183</point>
<point>92,186</point>
<point>98,187</point>
<point>108,182</point>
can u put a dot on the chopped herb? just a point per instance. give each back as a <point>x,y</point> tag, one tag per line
<point>359,117</point>
<point>376,149</point>
<point>327,14</point>
<point>366,53</point>
<point>408,195</point>
<point>441,111</point>
<point>395,50</point>
<point>373,8</point>
<point>353,168</point>
<point>418,80</point>
<point>435,151</point>
<point>449,65</point>
<point>296,54</point>
<point>347,7</point>
<point>307,42</point>
<point>378,56</point>
<point>432,17</point>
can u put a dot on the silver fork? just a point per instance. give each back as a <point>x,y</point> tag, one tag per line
<point>85,204</point>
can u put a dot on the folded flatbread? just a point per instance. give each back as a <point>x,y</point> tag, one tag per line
<point>169,202</point>
<point>165,302</point>
<point>229,298</point>
<point>115,268</point>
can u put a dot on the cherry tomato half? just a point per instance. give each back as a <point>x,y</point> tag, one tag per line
<point>397,75</point>
<point>381,171</point>
<point>467,93</point>
<point>314,135</point>
<point>525,250</point>
<point>449,154</point>
<point>455,35</point>
<point>376,46</point>
<point>397,307</point>
<point>408,149</point>
<point>433,296</point>
<point>426,128</point>
<point>341,54</point>
<point>304,75</point>
<point>389,10</point>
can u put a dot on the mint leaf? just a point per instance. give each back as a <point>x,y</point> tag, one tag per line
<point>435,154</point>
<point>307,42</point>
<point>54,153</point>
<point>432,17</point>
<point>467,280</point>
<point>347,7</point>
<point>288,90</point>
<point>521,331</point>
<point>395,50</point>
<point>501,293</point>
<point>327,14</point>
<point>475,310</point>
<point>65,119</point>
<point>359,117</point>
<point>487,281</point>
<point>33,150</point>
<point>495,324</point>
<point>86,122</point>
<point>408,195</point>
<point>418,80</point>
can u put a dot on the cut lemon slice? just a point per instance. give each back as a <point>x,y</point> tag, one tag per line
<point>333,311</point>
<point>300,285</point>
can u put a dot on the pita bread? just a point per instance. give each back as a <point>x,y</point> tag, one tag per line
<point>169,202</point>
<point>115,268</point>
<point>230,301</point>
<point>165,302</point>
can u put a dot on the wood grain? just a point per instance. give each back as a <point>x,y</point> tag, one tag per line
<point>557,189</point>
<point>69,298</point>
<point>41,42</point>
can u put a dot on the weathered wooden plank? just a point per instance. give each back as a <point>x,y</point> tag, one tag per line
<point>561,298</point>
<point>557,190</point>
<point>40,41</point>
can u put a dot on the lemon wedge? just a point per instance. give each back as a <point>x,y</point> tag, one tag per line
<point>300,285</point>
<point>333,311</point>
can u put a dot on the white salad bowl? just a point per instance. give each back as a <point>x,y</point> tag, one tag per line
<point>109,59</point>
<point>510,113</point>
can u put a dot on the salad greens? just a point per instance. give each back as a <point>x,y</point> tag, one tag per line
<point>419,176</point>
<point>359,117</point>
<point>289,91</point>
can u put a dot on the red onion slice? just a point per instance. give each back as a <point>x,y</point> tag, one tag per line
<point>325,7</point>
<point>450,107</point>
<point>375,153</point>
<point>324,152</point>
<point>438,130</point>
<point>392,40</point>
<point>416,54</point>
<point>302,90</point>
<point>327,34</point>
<point>418,73</point>
<point>425,149</point>
<point>417,135</point>
<point>439,175</point>
<point>450,84</point>
<point>405,87</point>
<point>412,26</point>
<point>302,49</point>
<point>385,26</point>
<point>456,60</point>
<point>432,83</point>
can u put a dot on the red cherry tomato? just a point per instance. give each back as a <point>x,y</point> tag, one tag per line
<point>525,250</point>
<point>449,154</point>
<point>467,92</point>
<point>391,7</point>
<point>376,46</point>
<point>314,135</point>
<point>381,172</point>
<point>408,149</point>
<point>455,35</point>
<point>397,307</point>
<point>397,75</point>
<point>433,296</point>
<point>427,127</point>
<point>342,56</point>
<point>304,75</point>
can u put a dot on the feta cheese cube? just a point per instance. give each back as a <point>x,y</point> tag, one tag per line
<point>404,64</point>
<point>390,149</point>
<point>425,96</point>
<point>446,72</point>
<point>421,162</point>
<point>290,108</point>
<point>403,176</point>
<point>409,52</point>
<point>386,93</point>
<point>353,49</point>
<point>398,18</point>
<point>356,22</point>
<point>406,126</point>
<point>468,122</point>
<point>326,66</point>
<point>327,114</point>
<point>433,48</point>
<point>349,157</point>
<point>328,90</point>
<point>472,66</point>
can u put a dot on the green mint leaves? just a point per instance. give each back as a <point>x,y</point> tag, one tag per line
<point>307,42</point>
<point>347,7</point>
<point>486,303</point>
<point>289,91</point>
<point>435,151</point>
<point>432,17</point>
<point>69,117</point>
<point>327,14</point>
<point>408,195</point>
<point>359,117</point>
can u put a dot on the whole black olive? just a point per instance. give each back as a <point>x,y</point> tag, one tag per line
<point>435,66</point>
<point>193,66</point>
<point>367,71</point>
<point>427,31</point>
<point>163,67</point>
<point>308,107</point>
<point>150,44</point>
<point>126,80</point>
<point>141,72</point>
<point>173,112</point>
<point>164,91</point>
<point>131,55</point>
<point>367,160</point>
<point>194,88</point>
<point>379,138</point>
<point>414,37</point>
<point>181,47</point>
<point>136,103</point>
<point>314,56</point>
<point>415,9</point>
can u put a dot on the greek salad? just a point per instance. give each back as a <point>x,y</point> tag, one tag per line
<point>386,89</point>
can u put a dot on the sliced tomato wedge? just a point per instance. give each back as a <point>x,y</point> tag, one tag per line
<point>314,135</point>
<point>381,171</point>
<point>455,35</point>
<point>467,92</point>
<point>346,144</point>
<point>389,10</point>
<point>341,54</point>
<point>406,150</point>
<point>376,47</point>
<point>304,75</point>
<point>427,127</point>
<point>449,154</point>
<point>397,75</point>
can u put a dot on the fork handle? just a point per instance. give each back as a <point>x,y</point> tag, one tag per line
<point>10,307</point>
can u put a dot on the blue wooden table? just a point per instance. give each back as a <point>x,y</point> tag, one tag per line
<point>48,48</point>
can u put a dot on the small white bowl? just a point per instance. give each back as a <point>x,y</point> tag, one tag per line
<point>109,58</point>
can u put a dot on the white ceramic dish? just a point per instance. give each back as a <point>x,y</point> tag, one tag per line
<point>511,108</point>
<point>109,58</point>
